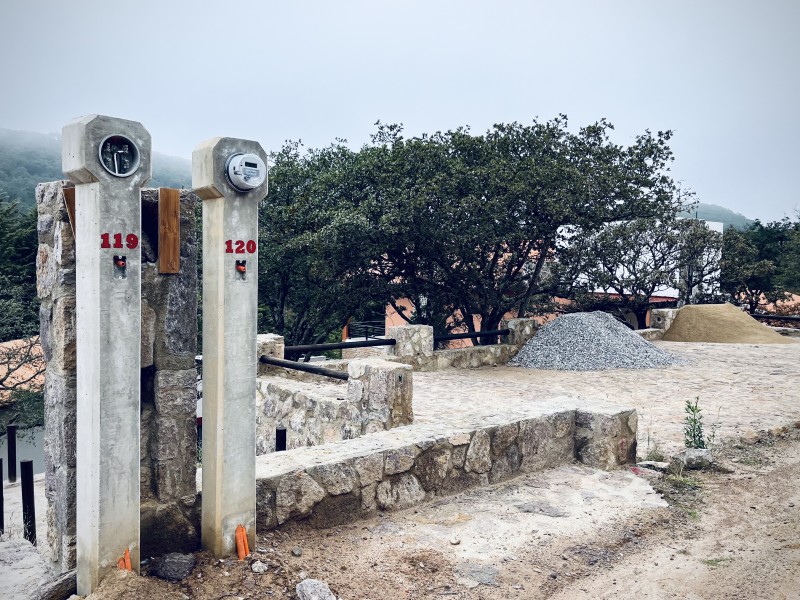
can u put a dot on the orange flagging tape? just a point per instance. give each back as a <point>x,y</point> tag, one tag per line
<point>242,547</point>
<point>124,563</point>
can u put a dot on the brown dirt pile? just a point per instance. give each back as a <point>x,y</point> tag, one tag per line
<point>720,324</point>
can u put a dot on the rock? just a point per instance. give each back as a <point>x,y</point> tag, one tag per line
<point>313,589</point>
<point>259,567</point>
<point>478,457</point>
<point>64,586</point>
<point>296,495</point>
<point>173,566</point>
<point>399,492</point>
<point>454,541</point>
<point>692,459</point>
<point>297,551</point>
<point>339,478</point>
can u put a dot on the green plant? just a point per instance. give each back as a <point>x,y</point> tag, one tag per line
<point>693,434</point>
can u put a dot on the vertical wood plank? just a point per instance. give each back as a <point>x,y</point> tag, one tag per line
<point>69,198</point>
<point>169,230</point>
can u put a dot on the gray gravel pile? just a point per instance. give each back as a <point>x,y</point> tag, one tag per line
<point>593,341</point>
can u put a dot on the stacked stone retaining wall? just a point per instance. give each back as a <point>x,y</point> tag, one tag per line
<point>336,483</point>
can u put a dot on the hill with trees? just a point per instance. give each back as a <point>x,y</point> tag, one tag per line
<point>27,159</point>
<point>720,214</point>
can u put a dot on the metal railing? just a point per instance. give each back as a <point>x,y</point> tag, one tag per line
<point>366,329</point>
<point>471,334</point>
<point>766,317</point>
<point>297,366</point>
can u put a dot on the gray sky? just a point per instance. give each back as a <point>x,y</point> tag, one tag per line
<point>724,75</point>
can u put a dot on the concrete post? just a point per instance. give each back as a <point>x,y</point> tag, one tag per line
<point>109,160</point>
<point>230,311</point>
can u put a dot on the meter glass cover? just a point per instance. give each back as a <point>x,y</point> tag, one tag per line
<point>119,155</point>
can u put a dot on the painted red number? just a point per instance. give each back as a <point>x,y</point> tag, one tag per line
<point>131,240</point>
<point>239,246</point>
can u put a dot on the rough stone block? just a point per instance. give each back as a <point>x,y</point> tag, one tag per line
<point>338,478</point>
<point>384,391</point>
<point>605,440</point>
<point>662,318</point>
<point>478,455</point>
<point>521,330</point>
<point>369,468</point>
<point>176,393</point>
<point>400,491</point>
<point>412,341</point>
<point>268,344</point>
<point>168,527</point>
<point>148,334</point>
<point>503,437</point>
<point>432,467</point>
<point>295,495</point>
<point>400,460</point>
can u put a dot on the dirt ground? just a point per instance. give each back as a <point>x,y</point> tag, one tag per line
<point>563,534</point>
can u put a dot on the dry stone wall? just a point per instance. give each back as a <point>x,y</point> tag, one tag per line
<point>392,470</point>
<point>377,396</point>
<point>168,448</point>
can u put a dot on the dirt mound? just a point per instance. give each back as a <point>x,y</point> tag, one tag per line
<point>720,324</point>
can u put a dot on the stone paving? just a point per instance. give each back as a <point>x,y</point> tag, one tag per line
<point>741,387</point>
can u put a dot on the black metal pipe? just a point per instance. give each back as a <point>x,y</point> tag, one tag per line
<point>28,508</point>
<point>290,364</point>
<point>477,334</point>
<point>339,345</point>
<point>11,442</point>
<point>2,510</point>
<point>775,317</point>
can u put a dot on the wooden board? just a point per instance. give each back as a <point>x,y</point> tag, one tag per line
<point>69,198</point>
<point>169,230</point>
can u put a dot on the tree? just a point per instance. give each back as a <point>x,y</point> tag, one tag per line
<point>700,249</point>
<point>469,222</point>
<point>310,279</point>
<point>624,264</point>
<point>757,263</point>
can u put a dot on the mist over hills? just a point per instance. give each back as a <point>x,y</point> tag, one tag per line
<point>28,158</point>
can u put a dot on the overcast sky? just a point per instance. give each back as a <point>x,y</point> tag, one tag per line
<point>724,75</point>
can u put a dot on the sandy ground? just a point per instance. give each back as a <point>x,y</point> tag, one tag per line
<point>570,532</point>
<point>566,533</point>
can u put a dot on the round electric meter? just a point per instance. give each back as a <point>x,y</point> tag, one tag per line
<point>119,155</point>
<point>246,171</point>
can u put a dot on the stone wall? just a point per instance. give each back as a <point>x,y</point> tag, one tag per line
<point>377,396</point>
<point>168,448</point>
<point>55,280</point>
<point>415,346</point>
<point>401,468</point>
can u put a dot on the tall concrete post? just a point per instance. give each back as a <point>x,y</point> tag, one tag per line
<point>230,176</point>
<point>109,160</point>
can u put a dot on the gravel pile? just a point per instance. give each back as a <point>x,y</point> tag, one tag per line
<point>593,341</point>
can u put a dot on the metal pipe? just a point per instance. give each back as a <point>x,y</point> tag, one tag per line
<point>28,508</point>
<point>339,345</point>
<point>477,334</point>
<point>2,510</point>
<point>289,364</point>
<point>775,317</point>
<point>11,440</point>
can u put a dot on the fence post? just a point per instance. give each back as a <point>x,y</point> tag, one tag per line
<point>11,436</point>
<point>2,509</point>
<point>28,508</point>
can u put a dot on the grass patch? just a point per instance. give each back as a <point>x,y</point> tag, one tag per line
<point>683,482</point>
<point>713,563</point>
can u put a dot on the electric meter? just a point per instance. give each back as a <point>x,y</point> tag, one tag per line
<point>246,171</point>
<point>119,155</point>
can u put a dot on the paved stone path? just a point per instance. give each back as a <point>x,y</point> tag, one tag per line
<point>741,387</point>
